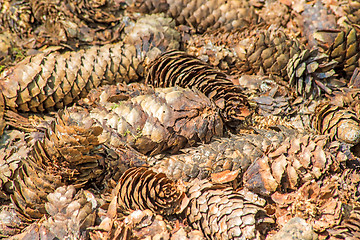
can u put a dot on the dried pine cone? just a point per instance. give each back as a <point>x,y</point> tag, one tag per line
<point>296,161</point>
<point>170,119</point>
<point>52,80</point>
<point>222,213</point>
<point>16,16</point>
<point>340,123</point>
<point>70,213</point>
<point>235,153</point>
<point>352,10</point>
<point>202,14</point>
<point>343,47</point>
<point>349,228</point>
<point>141,188</point>
<point>176,68</point>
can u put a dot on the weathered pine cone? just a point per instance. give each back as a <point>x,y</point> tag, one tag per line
<point>340,123</point>
<point>349,228</point>
<point>352,10</point>
<point>296,161</point>
<point>170,119</point>
<point>235,153</point>
<point>15,17</point>
<point>141,188</point>
<point>52,80</point>
<point>177,68</point>
<point>70,213</point>
<point>202,14</point>
<point>222,213</point>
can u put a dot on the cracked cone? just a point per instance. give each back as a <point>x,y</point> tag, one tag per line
<point>141,188</point>
<point>176,68</point>
<point>222,213</point>
<point>169,119</point>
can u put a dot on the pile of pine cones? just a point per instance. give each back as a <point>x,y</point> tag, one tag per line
<point>179,119</point>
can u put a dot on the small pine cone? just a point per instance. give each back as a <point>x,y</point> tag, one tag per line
<point>11,222</point>
<point>202,14</point>
<point>16,16</point>
<point>297,160</point>
<point>176,68</point>
<point>236,153</point>
<point>32,183</point>
<point>70,215</point>
<point>352,10</point>
<point>170,119</point>
<point>349,228</point>
<point>275,13</point>
<point>141,188</point>
<point>309,72</point>
<point>222,213</point>
<point>346,51</point>
<point>340,123</point>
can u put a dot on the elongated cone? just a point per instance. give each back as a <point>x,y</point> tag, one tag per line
<point>202,14</point>
<point>340,123</point>
<point>141,188</point>
<point>235,153</point>
<point>70,213</point>
<point>222,213</point>
<point>177,68</point>
<point>52,80</point>
<point>170,119</point>
<point>296,161</point>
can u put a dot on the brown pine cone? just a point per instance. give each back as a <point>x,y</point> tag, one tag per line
<point>52,80</point>
<point>352,10</point>
<point>16,16</point>
<point>222,213</point>
<point>176,68</point>
<point>141,188</point>
<point>202,14</point>
<point>349,228</point>
<point>170,119</point>
<point>70,214</point>
<point>235,153</point>
<point>297,160</point>
<point>340,123</point>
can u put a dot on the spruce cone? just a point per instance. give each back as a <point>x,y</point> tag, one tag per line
<point>343,47</point>
<point>176,68</point>
<point>170,119</point>
<point>309,71</point>
<point>202,14</point>
<point>70,215</point>
<point>296,161</point>
<point>53,80</point>
<point>222,213</point>
<point>141,188</point>
<point>236,153</point>
<point>340,123</point>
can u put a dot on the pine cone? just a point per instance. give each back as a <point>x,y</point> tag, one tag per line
<point>141,188</point>
<point>352,10</point>
<point>70,215</point>
<point>177,68</point>
<point>235,153</point>
<point>170,119</point>
<point>309,72</point>
<point>296,161</point>
<point>16,17</point>
<point>53,80</point>
<point>11,222</point>
<point>340,123</point>
<point>202,14</point>
<point>349,228</point>
<point>222,213</point>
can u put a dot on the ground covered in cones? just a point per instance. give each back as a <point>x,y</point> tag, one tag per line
<point>180,119</point>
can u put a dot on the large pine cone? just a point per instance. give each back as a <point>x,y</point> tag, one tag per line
<point>176,68</point>
<point>235,153</point>
<point>141,188</point>
<point>170,119</point>
<point>52,80</point>
<point>222,213</point>
<point>202,14</point>
<point>296,161</point>
<point>340,123</point>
